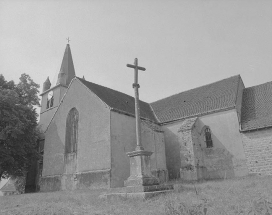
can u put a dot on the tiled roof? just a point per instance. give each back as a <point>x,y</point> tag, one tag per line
<point>202,100</point>
<point>257,107</point>
<point>120,101</point>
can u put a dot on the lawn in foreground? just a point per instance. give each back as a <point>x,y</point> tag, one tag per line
<point>236,196</point>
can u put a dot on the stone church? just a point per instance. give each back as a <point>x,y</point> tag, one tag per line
<point>220,130</point>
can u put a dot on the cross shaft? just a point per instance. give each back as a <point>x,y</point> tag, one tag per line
<point>137,107</point>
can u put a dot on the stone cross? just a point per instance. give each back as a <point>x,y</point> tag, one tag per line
<point>137,107</point>
<point>68,40</point>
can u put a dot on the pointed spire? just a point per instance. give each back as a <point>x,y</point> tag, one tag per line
<point>46,84</point>
<point>67,70</point>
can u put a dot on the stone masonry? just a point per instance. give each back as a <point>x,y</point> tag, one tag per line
<point>258,150</point>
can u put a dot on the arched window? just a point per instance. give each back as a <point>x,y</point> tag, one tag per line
<point>50,102</point>
<point>208,138</point>
<point>71,135</point>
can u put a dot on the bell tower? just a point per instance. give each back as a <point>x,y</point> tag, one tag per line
<point>52,95</point>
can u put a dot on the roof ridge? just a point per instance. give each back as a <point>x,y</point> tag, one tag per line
<point>197,88</point>
<point>156,117</point>
<point>120,101</point>
<point>81,79</point>
<point>258,85</point>
<point>218,95</point>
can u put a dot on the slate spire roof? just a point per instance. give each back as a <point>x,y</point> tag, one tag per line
<point>213,97</point>
<point>257,107</point>
<point>67,70</point>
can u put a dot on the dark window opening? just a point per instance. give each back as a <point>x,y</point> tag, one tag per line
<point>208,138</point>
<point>50,102</point>
<point>71,135</point>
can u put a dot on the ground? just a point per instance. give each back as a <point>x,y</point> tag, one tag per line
<point>236,196</point>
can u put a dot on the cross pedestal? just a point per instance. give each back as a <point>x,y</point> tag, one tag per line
<point>140,172</point>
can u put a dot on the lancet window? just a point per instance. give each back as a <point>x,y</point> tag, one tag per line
<point>50,100</point>
<point>208,137</point>
<point>71,136</point>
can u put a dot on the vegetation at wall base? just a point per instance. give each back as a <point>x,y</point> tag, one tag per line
<point>248,195</point>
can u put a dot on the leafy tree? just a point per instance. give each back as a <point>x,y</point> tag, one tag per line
<point>18,125</point>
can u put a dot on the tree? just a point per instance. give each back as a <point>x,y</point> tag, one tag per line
<point>18,125</point>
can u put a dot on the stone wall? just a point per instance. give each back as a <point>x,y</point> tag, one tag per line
<point>84,180</point>
<point>187,156</point>
<point>258,150</point>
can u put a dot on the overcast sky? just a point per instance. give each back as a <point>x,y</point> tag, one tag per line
<point>182,44</point>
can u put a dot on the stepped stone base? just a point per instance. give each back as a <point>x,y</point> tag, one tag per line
<point>137,192</point>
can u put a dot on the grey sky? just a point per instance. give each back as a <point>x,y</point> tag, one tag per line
<point>182,44</point>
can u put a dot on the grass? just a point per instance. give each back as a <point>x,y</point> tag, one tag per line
<point>250,195</point>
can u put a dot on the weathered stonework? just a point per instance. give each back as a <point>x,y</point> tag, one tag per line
<point>140,172</point>
<point>86,180</point>
<point>218,162</point>
<point>187,156</point>
<point>50,183</point>
<point>161,174</point>
<point>188,170</point>
<point>258,150</point>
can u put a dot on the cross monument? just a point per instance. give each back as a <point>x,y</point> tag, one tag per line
<point>141,183</point>
<point>140,171</point>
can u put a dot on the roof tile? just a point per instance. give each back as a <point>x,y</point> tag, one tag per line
<point>202,100</point>
<point>120,101</point>
<point>257,107</point>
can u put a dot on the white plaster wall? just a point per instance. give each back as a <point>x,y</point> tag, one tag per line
<point>123,140</point>
<point>93,149</point>
<point>172,149</point>
<point>225,135</point>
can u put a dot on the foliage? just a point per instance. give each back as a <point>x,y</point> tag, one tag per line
<point>18,134</point>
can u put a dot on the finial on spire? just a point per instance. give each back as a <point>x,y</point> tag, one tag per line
<point>68,40</point>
